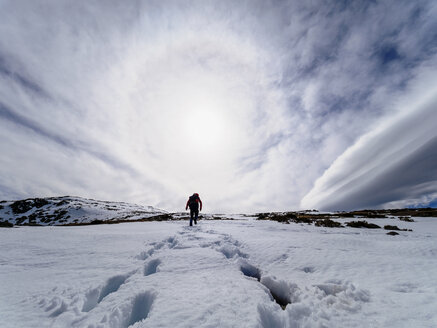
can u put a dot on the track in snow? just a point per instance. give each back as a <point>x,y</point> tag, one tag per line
<point>202,257</point>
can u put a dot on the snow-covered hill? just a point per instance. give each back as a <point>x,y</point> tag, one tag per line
<point>72,210</point>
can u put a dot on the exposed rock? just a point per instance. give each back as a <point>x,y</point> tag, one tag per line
<point>279,217</point>
<point>362,224</point>
<point>5,224</point>
<point>328,223</point>
<point>390,227</point>
<point>22,206</point>
<point>406,219</point>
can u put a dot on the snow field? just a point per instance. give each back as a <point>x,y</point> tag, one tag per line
<point>348,277</point>
<point>219,274</point>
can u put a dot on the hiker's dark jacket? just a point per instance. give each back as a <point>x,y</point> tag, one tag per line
<point>193,203</point>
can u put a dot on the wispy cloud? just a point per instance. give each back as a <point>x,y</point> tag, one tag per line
<point>246,103</point>
<point>393,165</point>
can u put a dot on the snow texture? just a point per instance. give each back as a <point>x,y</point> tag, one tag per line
<point>71,210</point>
<point>240,273</point>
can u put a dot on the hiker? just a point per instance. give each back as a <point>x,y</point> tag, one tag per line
<point>193,202</point>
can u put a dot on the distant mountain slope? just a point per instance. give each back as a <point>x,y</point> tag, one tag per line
<point>71,210</point>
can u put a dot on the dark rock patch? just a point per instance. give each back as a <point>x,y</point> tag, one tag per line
<point>303,219</point>
<point>345,215</point>
<point>21,220</point>
<point>362,224</point>
<point>62,203</point>
<point>278,217</point>
<point>390,227</point>
<point>328,223</point>
<point>162,217</point>
<point>6,224</point>
<point>96,222</point>
<point>406,219</point>
<point>22,206</point>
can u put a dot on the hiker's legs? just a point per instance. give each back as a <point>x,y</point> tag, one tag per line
<point>191,217</point>
<point>196,215</point>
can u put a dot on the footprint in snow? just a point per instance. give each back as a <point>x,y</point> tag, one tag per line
<point>151,267</point>
<point>171,242</point>
<point>141,307</point>
<point>145,254</point>
<point>129,312</point>
<point>94,296</point>
<point>56,304</point>
<point>280,291</point>
<point>308,269</point>
<point>231,251</point>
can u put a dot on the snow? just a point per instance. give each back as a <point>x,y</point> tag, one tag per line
<point>223,273</point>
<point>71,210</point>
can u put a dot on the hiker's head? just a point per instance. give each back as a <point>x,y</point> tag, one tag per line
<point>196,194</point>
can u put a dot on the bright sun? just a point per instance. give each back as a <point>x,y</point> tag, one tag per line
<point>204,125</point>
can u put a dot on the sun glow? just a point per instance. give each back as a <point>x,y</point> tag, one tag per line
<point>193,105</point>
<point>205,127</point>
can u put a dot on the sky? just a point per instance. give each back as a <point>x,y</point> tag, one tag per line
<point>255,105</point>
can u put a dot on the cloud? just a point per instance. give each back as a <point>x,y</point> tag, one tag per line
<point>246,103</point>
<point>396,163</point>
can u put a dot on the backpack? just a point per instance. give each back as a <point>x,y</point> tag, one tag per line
<point>192,202</point>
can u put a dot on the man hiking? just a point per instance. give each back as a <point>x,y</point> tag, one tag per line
<point>193,203</point>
